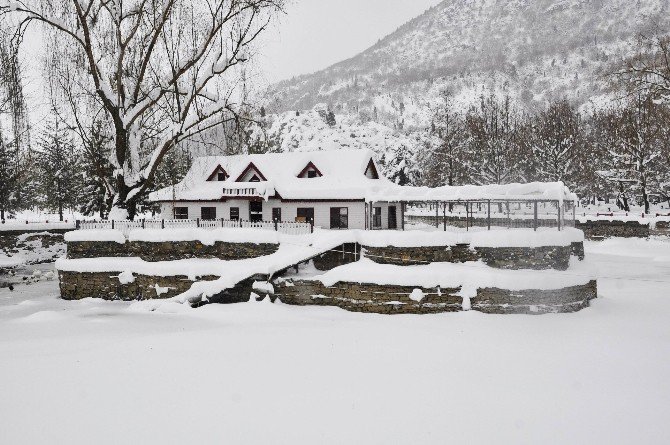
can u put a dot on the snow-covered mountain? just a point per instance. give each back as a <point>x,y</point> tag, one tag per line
<point>533,50</point>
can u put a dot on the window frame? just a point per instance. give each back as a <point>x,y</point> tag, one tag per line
<point>377,217</point>
<point>180,213</point>
<point>339,220</point>
<point>210,209</point>
<point>234,213</point>
<point>305,210</point>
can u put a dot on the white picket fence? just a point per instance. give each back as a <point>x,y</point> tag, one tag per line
<point>289,228</point>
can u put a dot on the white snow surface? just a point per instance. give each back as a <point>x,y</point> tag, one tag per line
<point>268,373</point>
<point>470,276</point>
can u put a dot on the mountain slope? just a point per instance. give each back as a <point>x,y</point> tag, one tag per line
<point>533,50</point>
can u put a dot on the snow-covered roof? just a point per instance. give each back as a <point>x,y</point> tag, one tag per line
<point>532,191</point>
<point>343,177</point>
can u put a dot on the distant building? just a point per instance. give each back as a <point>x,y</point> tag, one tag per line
<point>331,189</point>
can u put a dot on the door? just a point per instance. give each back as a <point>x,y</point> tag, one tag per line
<point>393,219</point>
<point>276,214</point>
<point>256,211</point>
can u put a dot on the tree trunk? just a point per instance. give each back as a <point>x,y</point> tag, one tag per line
<point>2,214</point>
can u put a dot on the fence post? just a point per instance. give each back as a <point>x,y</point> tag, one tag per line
<point>488,215</point>
<point>162,223</point>
<point>558,206</point>
<point>197,222</point>
<point>444,215</point>
<point>143,224</point>
<point>535,216</point>
<point>276,226</point>
<point>311,226</point>
<point>112,224</point>
<point>77,225</point>
<point>222,223</point>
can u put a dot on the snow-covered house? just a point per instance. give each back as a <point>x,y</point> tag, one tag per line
<point>327,188</point>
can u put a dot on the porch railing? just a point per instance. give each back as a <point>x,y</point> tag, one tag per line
<point>125,226</point>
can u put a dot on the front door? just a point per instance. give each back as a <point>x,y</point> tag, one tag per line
<point>256,211</point>
<point>393,220</point>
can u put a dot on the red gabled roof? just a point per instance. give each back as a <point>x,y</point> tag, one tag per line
<point>216,171</point>
<point>307,167</point>
<point>371,166</point>
<point>246,170</point>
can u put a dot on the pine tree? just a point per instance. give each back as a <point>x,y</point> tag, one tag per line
<point>330,118</point>
<point>8,179</point>
<point>97,173</point>
<point>59,165</point>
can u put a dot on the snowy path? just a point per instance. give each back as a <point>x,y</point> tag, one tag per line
<point>95,371</point>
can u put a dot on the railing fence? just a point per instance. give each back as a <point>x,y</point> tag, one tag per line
<point>286,227</point>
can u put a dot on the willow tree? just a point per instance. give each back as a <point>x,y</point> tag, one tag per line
<point>163,71</point>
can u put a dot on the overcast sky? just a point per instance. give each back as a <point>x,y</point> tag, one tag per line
<point>311,35</point>
<point>314,34</point>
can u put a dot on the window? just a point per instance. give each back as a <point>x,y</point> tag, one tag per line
<point>181,213</point>
<point>220,176</point>
<point>377,218</point>
<point>311,174</point>
<point>393,219</point>
<point>276,214</point>
<point>256,211</point>
<point>255,178</point>
<point>235,213</point>
<point>305,214</point>
<point>208,213</point>
<point>339,218</point>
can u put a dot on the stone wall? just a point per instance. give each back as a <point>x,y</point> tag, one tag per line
<point>390,299</point>
<point>534,301</point>
<point>551,257</point>
<point>106,285</point>
<point>373,298</point>
<point>169,250</point>
<point>604,229</point>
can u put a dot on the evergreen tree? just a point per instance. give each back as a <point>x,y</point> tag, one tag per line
<point>330,118</point>
<point>8,179</point>
<point>95,196</point>
<point>59,167</point>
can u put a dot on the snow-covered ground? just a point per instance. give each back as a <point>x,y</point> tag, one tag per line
<point>112,372</point>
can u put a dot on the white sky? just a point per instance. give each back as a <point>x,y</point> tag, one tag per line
<point>314,34</point>
<point>310,36</point>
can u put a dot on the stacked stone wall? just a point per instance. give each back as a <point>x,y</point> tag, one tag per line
<point>604,229</point>
<point>391,299</point>
<point>169,250</point>
<point>550,257</point>
<point>106,285</point>
<point>372,298</point>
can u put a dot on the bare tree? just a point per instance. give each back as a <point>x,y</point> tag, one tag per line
<point>649,70</point>
<point>162,70</point>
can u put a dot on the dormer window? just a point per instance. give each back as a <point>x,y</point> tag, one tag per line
<point>219,174</point>
<point>251,174</point>
<point>310,171</point>
<point>371,170</point>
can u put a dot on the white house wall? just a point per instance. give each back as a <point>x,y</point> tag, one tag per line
<point>289,211</point>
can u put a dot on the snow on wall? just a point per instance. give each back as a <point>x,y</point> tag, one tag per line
<point>468,275</point>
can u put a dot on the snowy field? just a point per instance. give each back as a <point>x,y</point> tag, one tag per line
<point>111,372</point>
